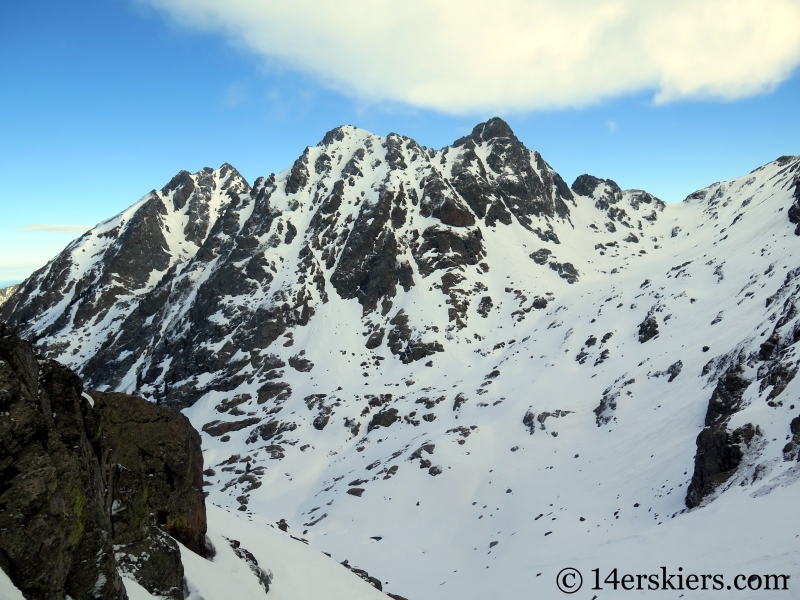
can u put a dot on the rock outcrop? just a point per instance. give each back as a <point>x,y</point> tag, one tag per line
<point>719,450</point>
<point>90,484</point>
<point>153,469</point>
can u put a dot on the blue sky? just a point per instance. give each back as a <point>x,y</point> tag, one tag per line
<point>104,100</point>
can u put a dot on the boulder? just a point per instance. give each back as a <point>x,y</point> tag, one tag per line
<point>91,484</point>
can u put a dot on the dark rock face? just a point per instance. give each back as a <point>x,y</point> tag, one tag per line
<point>547,235</point>
<point>301,364</point>
<point>719,454</point>
<point>52,483</point>
<point>373,581</point>
<point>565,271</point>
<point>218,428</point>
<point>182,185</point>
<point>439,201</point>
<point>631,239</point>
<point>727,396</point>
<point>162,461</point>
<point>130,254</point>
<point>719,450</point>
<point>299,175</point>
<point>124,472</point>
<point>278,390</point>
<point>493,129</point>
<point>367,268</point>
<point>403,343</point>
<point>794,210</point>
<point>267,431</point>
<point>608,197</point>
<point>587,185</point>
<point>384,418</point>
<point>648,329</point>
<point>674,370</point>
<point>485,306</point>
<point>791,450</point>
<point>529,420</point>
<point>474,188</point>
<point>604,412</point>
<point>541,256</point>
<point>533,190</point>
<point>447,248</point>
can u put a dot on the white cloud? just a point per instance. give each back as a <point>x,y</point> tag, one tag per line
<point>612,126</point>
<point>56,228</point>
<point>468,55</point>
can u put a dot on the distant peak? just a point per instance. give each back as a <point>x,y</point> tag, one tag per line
<point>338,134</point>
<point>494,128</point>
<point>334,135</point>
<point>585,185</point>
<point>785,160</point>
<point>227,168</point>
<point>182,178</point>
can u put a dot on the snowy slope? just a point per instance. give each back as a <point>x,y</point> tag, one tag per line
<point>8,591</point>
<point>298,572</point>
<point>410,355</point>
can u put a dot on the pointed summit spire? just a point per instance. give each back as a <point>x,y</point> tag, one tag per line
<point>491,129</point>
<point>494,128</point>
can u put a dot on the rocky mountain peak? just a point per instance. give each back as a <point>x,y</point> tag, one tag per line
<point>383,317</point>
<point>364,217</point>
<point>494,128</point>
<point>337,134</point>
<point>605,192</point>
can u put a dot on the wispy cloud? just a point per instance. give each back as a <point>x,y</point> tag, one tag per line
<point>56,228</point>
<point>612,126</point>
<point>235,95</point>
<point>472,56</point>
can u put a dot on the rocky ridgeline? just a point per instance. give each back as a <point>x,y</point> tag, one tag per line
<point>205,275</point>
<point>380,304</point>
<point>7,292</point>
<point>91,484</point>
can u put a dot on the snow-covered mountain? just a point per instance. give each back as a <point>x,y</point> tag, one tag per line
<point>453,370</point>
<point>6,292</point>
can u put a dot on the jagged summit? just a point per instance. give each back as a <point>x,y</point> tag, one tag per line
<point>494,128</point>
<point>373,214</point>
<point>491,129</point>
<point>366,216</point>
<point>448,329</point>
<point>585,185</point>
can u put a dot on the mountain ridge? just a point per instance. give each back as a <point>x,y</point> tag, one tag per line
<point>7,292</point>
<point>545,196</point>
<point>385,321</point>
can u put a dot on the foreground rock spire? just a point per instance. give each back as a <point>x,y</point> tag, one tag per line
<point>92,484</point>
